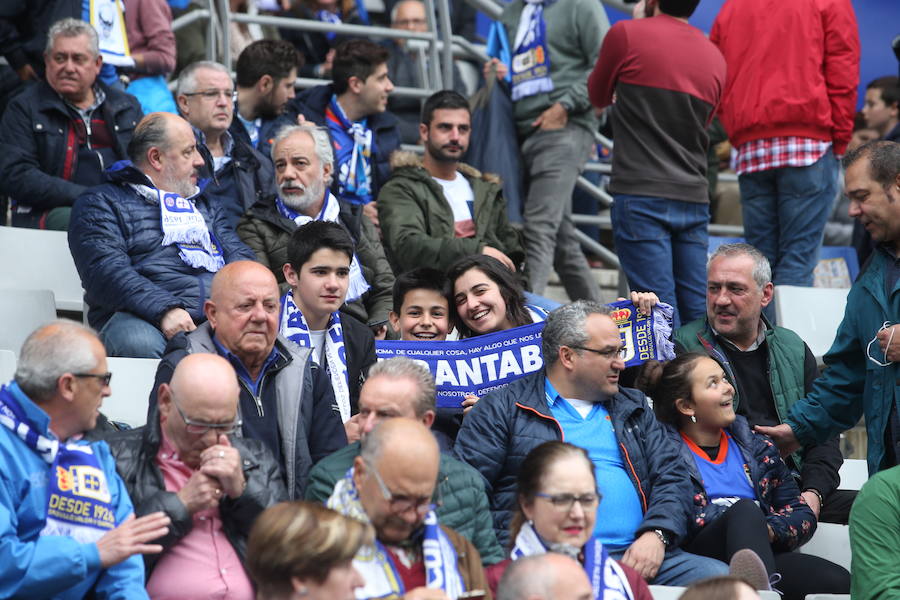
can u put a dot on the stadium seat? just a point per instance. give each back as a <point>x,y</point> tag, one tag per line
<point>670,592</point>
<point>828,597</point>
<point>813,313</point>
<point>831,542</point>
<point>7,365</point>
<point>34,259</point>
<point>854,473</point>
<point>21,312</point>
<point>131,384</point>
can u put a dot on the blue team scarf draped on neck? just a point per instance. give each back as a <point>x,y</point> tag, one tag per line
<point>354,146</point>
<point>607,577</point>
<point>79,504</point>
<point>326,16</point>
<point>531,54</point>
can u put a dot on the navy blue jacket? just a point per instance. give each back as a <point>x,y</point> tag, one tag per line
<point>507,424</point>
<point>116,241</point>
<point>776,489</point>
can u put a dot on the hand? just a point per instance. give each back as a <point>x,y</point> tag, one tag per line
<point>812,499</point>
<point>643,300</point>
<point>423,593</point>
<point>884,336</point>
<point>645,554</point>
<point>353,429</point>
<point>469,403</point>
<point>502,69</point>
<point>130,538</point>
<point>223,463</point>
<point>371,211</point>
<point>329,61</point>
<point>494,253</point>
<point>554,117</point>
<point>301,120</point>
<point>379,332</point>
<point>783,436</point>
<point>201,492</point>
<point>26,73</point>
<point>176,320</point>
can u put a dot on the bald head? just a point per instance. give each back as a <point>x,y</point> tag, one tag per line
<point>547,576</point>
<point>401,440</point>
<point>205,379</point>
<point>238,273</point>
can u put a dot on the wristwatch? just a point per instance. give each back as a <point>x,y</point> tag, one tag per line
<point>663,536</point>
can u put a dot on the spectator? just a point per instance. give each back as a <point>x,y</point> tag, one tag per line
<point>242,175</point>
<point>305,549</point>
<point>317,47</point>
<point>265,74</point>
<point>59,135</point>
<point>668,79</point>
<point>576,396</point>
<point>862,133</point>
<point>401,388</point>
<point>547,576</point>
<point>874,537</point>
<point>787,133</point>
<point>555,477</point>
<point>720,588</point>
<point>151,40</point>
<point>769,367</point>
<point>212,486</point>
<point>421,309</point>
<point>391,486</point>
<point>147,243</point>
<point>404,69</point>
<point>319,271</point>
<point>353,109</point>
<point>882,107</point>
<point>852,384</point>
<point>556,126</point>
<point>285,400</point>
<point>436,210</point>
<point>304,167</point>
<point>68,526</point>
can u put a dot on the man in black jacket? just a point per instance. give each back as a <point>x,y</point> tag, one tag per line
<point>211,486</point>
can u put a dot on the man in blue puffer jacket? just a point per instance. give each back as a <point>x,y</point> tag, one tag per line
<point>646,503</point>
<point>147,244</point>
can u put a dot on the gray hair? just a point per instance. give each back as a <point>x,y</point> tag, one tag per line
<point>396,9</point>
<point>372,444</point>
<point>321,143</point>
<point>565,326</point>
<point>884,161</point>
<point>52,350</point>
<point>400,367</point>
<point>525,577</point>
<point>762,270</point>
<point>72,28</point>
<point>187,80</point>
<point>150,132</point>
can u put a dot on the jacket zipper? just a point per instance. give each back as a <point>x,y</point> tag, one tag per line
<point>256,398</point>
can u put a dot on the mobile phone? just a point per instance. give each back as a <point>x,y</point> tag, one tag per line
<point>473,595</point>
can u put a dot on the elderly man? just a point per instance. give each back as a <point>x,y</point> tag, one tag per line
<point>286,401</point>
<point>59,135</point>
<point>545,577</point>
<point>400,387</point>
<point>147,244</point>
<point>212,486</point>
<point>861,364</point>
<point>770,367</point>
<point>240,175</point>
<point>304,166</point>
<point>646,497</point>
<point>391,486</point>
<point>67,523</point>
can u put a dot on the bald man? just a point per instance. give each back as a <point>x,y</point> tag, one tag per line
<point>188,464</point>
<point>392,485</point>
<point>547,576</point>
<point>285,399</point>
<point>147,243</point>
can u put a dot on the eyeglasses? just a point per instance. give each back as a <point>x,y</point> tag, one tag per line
<point>565,502</point>
<point>402,504</point>
<point>620,352</point>
<point>200,428</point>
<point>104,378</point>
<point>407,23</point>
<point>213,94</point>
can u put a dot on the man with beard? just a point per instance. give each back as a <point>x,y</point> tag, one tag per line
<point>303,171</point>
<point>147,244</point>
<point>435,210</point>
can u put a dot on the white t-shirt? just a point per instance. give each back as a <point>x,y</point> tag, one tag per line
<point>461,198</point>
<point>582,406</point>
<point>317,339</point>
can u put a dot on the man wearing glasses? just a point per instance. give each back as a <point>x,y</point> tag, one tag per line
<point>391,486</point>
<point>212,486</point>
<point>576,397</point>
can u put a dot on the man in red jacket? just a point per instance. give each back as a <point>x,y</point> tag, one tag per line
<point>790,96</point>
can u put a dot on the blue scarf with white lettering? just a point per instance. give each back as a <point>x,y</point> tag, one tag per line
<point>79,504</point>
<point>531,55</point>
<point>354,147</point>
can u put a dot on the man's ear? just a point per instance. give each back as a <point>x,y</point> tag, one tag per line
<point>428,418</point>
<point>768,292</point>
<point>566,357</point>
<point>290,275</point>
<point>265,84</point>
<point>423,133</point>
<point>355,84</point>
<point>394,319</point>
<point>154,158</point>
<point>210,310</point>
<point>182,102</point>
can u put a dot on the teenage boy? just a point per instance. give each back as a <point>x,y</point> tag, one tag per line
<point>421,309</point>
<point>318,272</point>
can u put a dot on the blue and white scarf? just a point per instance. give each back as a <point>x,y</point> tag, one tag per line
<point>326,16</point>
<point>79,504</point>
<point>374,563</point>
<point>607,577</point>
<point>354,147</point>
<point>293,326</point>
<point>331,211</point>
<point>531,55</point>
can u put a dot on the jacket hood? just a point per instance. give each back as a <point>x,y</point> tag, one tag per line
<point>402,159</point>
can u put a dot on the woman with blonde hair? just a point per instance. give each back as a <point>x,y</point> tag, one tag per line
<point>304,550</point>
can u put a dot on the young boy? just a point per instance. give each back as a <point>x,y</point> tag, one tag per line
<point>421,309</point>
<point>318,271</point>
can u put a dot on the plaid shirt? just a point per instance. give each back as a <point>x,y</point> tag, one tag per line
<point>777,152</point>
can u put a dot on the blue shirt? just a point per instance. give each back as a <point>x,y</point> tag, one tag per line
<point>725,476</point>
<point>620,513</point>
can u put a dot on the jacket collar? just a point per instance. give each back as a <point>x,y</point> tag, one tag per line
<point>413,161</point>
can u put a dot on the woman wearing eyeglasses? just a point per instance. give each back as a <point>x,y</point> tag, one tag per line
<point>556,512</point>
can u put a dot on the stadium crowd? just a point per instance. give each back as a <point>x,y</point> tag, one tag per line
<point>290,265</point>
